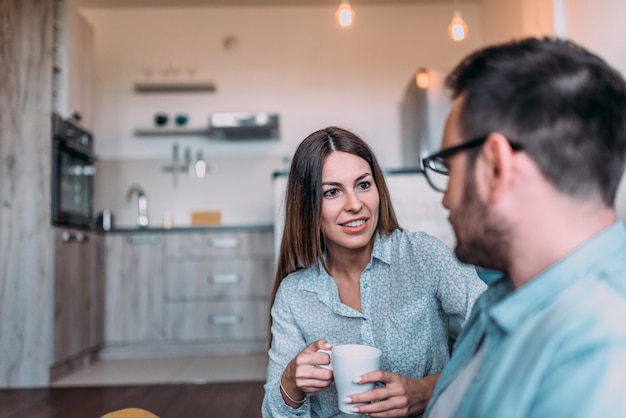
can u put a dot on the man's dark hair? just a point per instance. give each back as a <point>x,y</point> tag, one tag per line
<point>564,104</point>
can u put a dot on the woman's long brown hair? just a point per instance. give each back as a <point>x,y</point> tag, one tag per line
<point>302,244</point>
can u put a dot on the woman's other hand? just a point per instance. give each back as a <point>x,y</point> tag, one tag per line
<point>401,396</point>
<point>302,376</point>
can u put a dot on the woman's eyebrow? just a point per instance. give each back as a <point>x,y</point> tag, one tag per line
<point>362,176</point>
<point>335,183</point>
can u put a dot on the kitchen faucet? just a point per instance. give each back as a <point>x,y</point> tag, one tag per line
<point>142,203</point>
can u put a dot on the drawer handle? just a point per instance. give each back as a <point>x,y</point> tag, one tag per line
<point>225,319</point>
<point>225,242</point>
<point>226,278</point>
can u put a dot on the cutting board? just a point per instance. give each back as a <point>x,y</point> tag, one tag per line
<point>206,218</point>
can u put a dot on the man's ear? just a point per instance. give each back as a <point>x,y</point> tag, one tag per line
<point>496,160</point>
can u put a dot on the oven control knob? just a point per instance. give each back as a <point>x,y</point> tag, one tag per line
<point>80,237</point>
<point>66,236</point>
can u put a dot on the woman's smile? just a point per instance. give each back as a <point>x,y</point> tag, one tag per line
<point>355,226</point>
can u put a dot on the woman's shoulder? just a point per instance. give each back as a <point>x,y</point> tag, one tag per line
<point>412,248</point>
<point>418,239</point>
<point>295,278</point>
<point>425,249</point>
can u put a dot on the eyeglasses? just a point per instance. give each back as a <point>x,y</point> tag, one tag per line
<point>436,170</point>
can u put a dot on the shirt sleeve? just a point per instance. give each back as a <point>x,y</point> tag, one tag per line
<point>287,342</point>
<point>458,286</point>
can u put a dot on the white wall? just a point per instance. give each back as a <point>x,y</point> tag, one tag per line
<point>538,17</point>
<point>599,26</point>
<point>295,61</point>
<point>501,20</point>
<point>292,60</point>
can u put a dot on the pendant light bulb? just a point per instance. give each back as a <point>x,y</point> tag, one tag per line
<point>457,28</point>
<point>345,14</point>
<point>422,79</point>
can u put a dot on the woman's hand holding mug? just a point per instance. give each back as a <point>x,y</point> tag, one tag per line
<point>302,376</point>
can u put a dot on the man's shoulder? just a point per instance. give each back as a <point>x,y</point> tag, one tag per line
<point>596,305</point>
<point>583,319</point>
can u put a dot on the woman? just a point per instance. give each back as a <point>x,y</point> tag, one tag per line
<point>348,274</point>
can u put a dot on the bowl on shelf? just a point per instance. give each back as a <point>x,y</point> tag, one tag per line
<point>160,119</point>
<point>181,119</point>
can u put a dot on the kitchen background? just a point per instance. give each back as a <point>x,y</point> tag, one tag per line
<point>293,61</point>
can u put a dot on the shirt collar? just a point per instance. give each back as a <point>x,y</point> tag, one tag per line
<point>511,311</point>
<point>382,250</point>
<point>323,285</point>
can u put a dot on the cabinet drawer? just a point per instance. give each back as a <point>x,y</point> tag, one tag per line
<point>217,321</point>
<point>220,244</point>
<point>189,279</point>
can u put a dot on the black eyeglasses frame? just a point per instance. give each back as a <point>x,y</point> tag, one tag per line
<point>447,152</point>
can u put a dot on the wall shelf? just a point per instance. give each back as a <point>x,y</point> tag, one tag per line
<point>228,126</point>
<point>156,131</point>
<point>207,133</point>
<point>180,86</point>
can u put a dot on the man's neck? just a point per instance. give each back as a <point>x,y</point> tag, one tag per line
<point>552,234</point>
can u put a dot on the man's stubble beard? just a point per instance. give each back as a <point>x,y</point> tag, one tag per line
<point>483,240</point>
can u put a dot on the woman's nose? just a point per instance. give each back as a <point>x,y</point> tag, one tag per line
<point>353,202</point>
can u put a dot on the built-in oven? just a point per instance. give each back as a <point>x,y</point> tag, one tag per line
<point>72,174</point>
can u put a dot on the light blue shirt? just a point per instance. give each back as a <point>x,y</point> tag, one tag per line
<point>555,347</point>
<point>410,288</point>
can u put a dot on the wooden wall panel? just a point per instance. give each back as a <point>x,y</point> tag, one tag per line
<point>25,232</point>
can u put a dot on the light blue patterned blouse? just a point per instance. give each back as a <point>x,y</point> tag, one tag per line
<point>410,288</point>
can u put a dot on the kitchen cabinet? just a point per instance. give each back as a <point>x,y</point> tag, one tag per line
<point>72,294</point>
<point>73,64</point>
<point>194,292</point>
<point>133,291</point>
<point>216,289</point>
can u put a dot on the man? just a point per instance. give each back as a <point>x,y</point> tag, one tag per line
<point>533,151</point>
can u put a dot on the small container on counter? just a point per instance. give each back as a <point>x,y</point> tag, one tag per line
<point>104,222</point>
<point>168,220</point>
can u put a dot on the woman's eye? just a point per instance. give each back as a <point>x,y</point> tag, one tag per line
<point>364,185</point>
<point>331,192</point>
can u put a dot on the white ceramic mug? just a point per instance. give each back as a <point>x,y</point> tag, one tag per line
<point>349,361</point>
